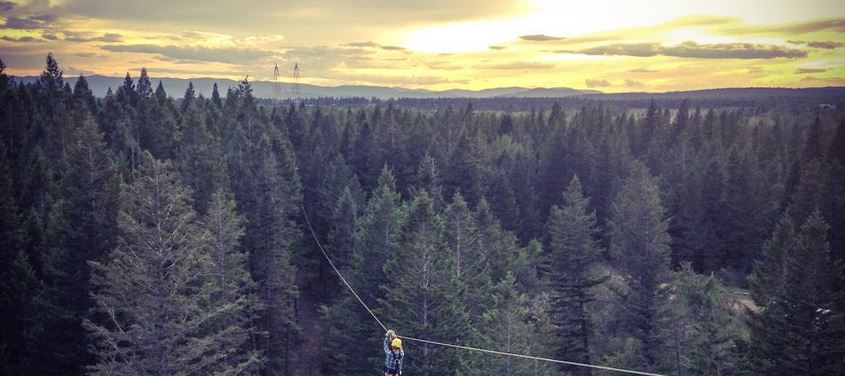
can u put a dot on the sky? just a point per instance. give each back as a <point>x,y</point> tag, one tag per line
<point>606,45</point>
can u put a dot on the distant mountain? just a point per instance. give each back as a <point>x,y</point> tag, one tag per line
<point>819,93</point>
<point>175,87</point>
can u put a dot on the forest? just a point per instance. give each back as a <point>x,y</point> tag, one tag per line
<point>144,233</point>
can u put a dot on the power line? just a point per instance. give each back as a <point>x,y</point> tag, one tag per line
<point>503,353</point>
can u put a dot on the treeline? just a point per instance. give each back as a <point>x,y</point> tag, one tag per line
<point>149,235</point>
<point>751,100</point>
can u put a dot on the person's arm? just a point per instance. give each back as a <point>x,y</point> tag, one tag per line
<point>386,346</point>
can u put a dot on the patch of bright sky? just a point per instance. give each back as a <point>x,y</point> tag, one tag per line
<point>571,18</point>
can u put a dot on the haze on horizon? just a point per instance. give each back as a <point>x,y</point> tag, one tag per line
<point>607,45</point>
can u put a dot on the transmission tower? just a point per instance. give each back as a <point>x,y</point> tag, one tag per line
<point>296,92</point>
<point>277,85</point>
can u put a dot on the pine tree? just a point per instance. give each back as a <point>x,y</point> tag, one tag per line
<point>215,96</point>
<point>701,331</point>
<point>270,206</point>
<point>200,158</point>
<point>508,324</point>
<point>462,237</point>
<point>573,252</point>
<point>229,294</point>
<point>767,279</point>
<point>427,177</point>
<point>811,191</point>
<point>640,245</point>
<point>144,86</point>
<point>189,96</point>
<point>800,329</point>
<point>81,228</point>
<point>342,237</point>
<point>814,300</point>
<point>350,326</point>
<point>18,282</point>
<point>768,284</point>
<point>463,170</point>
<point>422,295</point>
<point>151,289</point>
<point>51,78</point>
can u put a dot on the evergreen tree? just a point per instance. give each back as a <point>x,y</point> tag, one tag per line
<point>640,245</point>
<point>349,325</point>
<point>189,96</point>
<point>702,332</point>
<point>342,236</point>
<point>573,253</point>
<point>144,86</point>
<point>427,177</point>
<point>18,282</point>
<point>462,237</point>
<point>508,324</point>
<point>151,289</point>
<point>816,304</point>
<point>200,158</point>
<point>81,229</point>
<point>215,96</point>
<point>270,204</point>
<point>422,297</point>
<point>229,294</point>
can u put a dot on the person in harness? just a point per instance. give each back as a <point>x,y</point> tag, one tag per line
<point>394,355</point>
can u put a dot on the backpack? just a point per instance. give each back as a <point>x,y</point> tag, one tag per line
<point>397,359</point>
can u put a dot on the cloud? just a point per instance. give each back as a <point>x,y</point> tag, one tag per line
<point>88,54</point>
<point>362,44</point>
<point>756,70</point>
<point>320,18</point>
<point>642,70</point>
<point>443,65</point>
<point>691,49</point>
<point>809,70</point>
<point>827,45</point>
<point>816,25</point>
<point>89,37</point>
<point>701,21</point>
<point>222,55</point>
<point>633,83</point>
<point>540,37</point>
<point>400,80</point>
<point>6,6</point>
<point>371,44</point>
<point>627,49</point>
<point>732,51</point>
<point>26,39</point>
<point>517,65</point>
<point>837,24</point>
<point>594,82</point>
<point>28,23</point>
<point>496,47</point>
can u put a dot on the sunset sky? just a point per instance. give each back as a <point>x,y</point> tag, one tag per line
<point>607,45</point>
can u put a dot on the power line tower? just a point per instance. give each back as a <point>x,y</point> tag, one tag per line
<point>277,85</point>
<point>296,89</point>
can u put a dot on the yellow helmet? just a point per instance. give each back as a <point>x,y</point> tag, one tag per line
<point>396,343</point>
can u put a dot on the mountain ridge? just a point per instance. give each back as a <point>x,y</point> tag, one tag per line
<point>266,89</point>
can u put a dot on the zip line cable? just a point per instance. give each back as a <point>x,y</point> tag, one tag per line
<point>308,221</point>
<point>326,255</point>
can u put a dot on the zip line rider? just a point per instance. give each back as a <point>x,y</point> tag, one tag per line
<point>394,355</point>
